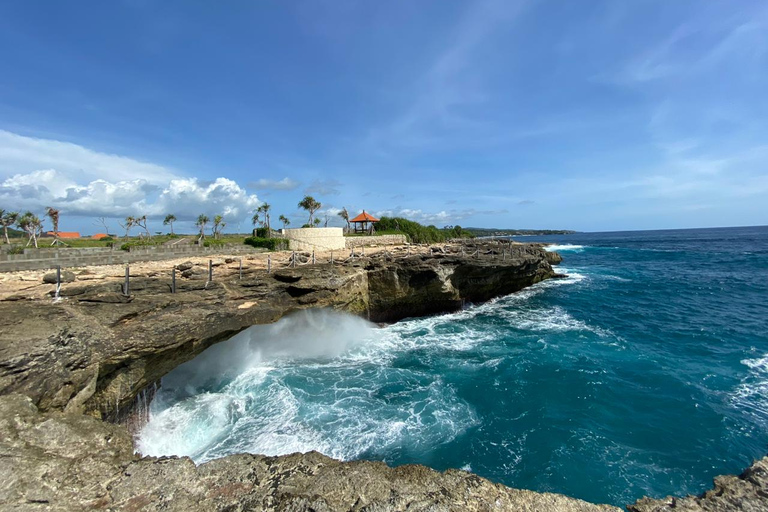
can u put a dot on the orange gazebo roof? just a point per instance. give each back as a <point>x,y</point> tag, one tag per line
<point>365,217</point>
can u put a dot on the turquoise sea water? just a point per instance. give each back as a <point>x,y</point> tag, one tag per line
<point>643,373</point>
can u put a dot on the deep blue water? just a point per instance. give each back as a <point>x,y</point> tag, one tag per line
<point>643,373</point>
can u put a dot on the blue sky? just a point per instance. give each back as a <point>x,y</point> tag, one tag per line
<point>589,115</point>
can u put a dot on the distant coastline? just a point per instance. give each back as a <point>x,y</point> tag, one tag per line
<point>481,232</point>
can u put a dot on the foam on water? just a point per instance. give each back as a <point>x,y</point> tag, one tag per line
<point>564,247</point>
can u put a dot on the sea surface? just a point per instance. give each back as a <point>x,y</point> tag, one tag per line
<point>645,372</point>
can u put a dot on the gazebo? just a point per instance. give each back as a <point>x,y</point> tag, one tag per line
<point>361,222</point>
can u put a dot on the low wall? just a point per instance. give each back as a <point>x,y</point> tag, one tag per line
<point>373,241</point>
<point>42,259</point>
<point>310,239</point>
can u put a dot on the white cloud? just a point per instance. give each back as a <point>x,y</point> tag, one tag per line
<point>83,182</point>
<point>23,155</point>
<point>283,184</point>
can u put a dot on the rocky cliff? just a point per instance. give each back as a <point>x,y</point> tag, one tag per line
<point>95,350</point>
<point>69,462</point>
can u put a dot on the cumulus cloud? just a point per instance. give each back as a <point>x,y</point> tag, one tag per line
<point>283,184</point>
<point>83,182</point>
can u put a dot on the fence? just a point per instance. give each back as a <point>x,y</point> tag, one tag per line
<point>494,251</point>
<point>41,259</point>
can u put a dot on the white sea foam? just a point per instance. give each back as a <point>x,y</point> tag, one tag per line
<point>325,381</point>
<point>752,394</point>
<point>280,395</point>
<point>565,247</point>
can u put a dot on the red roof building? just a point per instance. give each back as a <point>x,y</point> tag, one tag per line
<point>99,236</point>
<point>361,222</point>
<point>64,234</point>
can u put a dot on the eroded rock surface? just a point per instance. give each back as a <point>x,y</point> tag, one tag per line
<point>58,461</point>
<point>54,352</point>
<point>747,492</point>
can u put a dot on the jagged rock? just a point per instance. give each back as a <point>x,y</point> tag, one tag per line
<point>229,260</point>
<point>72,462</point>
<point>185,266</point>
<point>50,351</point>
<point>747,492</point>
<point>554,258</point>
<point>66,277</point>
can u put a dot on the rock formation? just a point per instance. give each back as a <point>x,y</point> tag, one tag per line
<point>97,349</point>
<point>70,462</point>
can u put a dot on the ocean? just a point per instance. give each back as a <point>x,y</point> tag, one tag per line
<point>643,373</point>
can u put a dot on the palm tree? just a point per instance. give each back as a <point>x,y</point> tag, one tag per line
<point>255,218</point>
<point>170,219</point>
<point>142,223</point>
<point>30,223</point>
<point>202,221</point>
<point>310,204</point>
<point>218,225</point>
<point>317,222</point>
<point>344,214</point>
<point>129,223</point>
<point>8,219</point>
<point>53,214</point>
<point>264,208</point>
<point>286,222</point>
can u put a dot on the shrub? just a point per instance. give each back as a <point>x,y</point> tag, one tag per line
<point>273,244</point>
<point>16,249</point>
<point>138,243</point>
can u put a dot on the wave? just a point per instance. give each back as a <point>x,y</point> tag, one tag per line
<point>751,395</point>
<point>565,247</point>
<point>326,381</point>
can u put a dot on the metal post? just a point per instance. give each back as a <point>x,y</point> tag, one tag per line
<point>331,257</point>
<point>352,255</point>
<point>210,271</point>
<point>269,263</point>
<point>241,268</point>
<point>127,288</point>
<point>503,255</point>
<point>173,280</point>
<point>58,281</point>
<point>313,257</point>
<point>363,249</point>
<point>293,259</point>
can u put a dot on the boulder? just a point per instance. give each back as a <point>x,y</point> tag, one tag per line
<point>66,277</point>
<point>185,266</point>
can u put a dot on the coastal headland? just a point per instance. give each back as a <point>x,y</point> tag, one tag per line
<point>71,370</point>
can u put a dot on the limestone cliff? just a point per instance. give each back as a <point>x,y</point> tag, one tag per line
<point>97,349</point>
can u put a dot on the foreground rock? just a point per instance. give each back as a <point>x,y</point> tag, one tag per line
<point>97,349</point>
<point>60,461</point>
<point>747,492</point>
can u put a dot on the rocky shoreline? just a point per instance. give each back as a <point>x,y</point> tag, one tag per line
<point>67,365</point>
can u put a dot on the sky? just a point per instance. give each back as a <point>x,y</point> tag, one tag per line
<point>594,115</point>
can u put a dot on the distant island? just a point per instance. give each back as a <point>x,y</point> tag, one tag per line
<point>518,232</point>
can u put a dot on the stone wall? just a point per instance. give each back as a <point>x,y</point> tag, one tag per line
<point>41,259</point>
<point>311,239</point>
<point>373,241</point>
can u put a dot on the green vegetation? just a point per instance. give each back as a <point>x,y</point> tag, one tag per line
<point>417,233</point>
<point>273,244</point>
